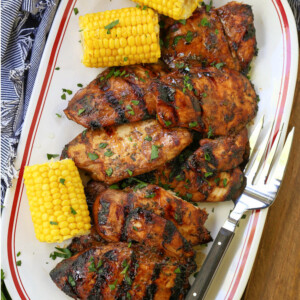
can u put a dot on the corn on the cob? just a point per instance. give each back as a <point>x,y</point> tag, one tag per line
<point>57,202</point>
<point>176,9</point>
<point>120,37</point>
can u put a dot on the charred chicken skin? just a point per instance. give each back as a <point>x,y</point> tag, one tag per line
<point>187,218</point>
<point>127,150</point>
<point>116,271</point>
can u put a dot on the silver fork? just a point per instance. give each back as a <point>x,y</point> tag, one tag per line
<point>255,196</point>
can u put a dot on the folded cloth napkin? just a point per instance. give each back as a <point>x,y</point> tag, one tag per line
<point>24,25</point>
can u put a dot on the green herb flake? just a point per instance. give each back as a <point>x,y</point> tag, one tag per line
<point>114,187</point>
<point>142,79</point>
<point>109,172</point>
<point>100,263</point>
<point>93,156</point>
<point>129,172</point>
<point>189,196</point>
<point>111,26</point>
<point>113,286</point>
<point>225,182</point>
<point>177,39</point>
<point>130,110</point>
<point>216,31</point>
<point>213,210</point>
<point>73,211</point>
<point>128,295</point>
<point>217,181</point>
<point>147,74</point>
<point>145,7</point>
<point>134,228</point>
<point>57,68</point>
<point>130,139</point>
<point>63,97</point>
<point>50,156</point>
<point>2,274</point>
<point>177,271</point>
<point>167,123</point>
<point>69,92</point>
<point>80,111</point>
<point>53,223</point>
<point>148,138</point>
<point>179,65</point>
<point>189,37</point>
<point>125,58</point>
<point>62,181</point>
<point>135,102</point>
<point>71,280</point>
<point>219,65</point>
<point>103,145</point>
<point>59,115</point>
<point>150,195</point>
<point>208,6</point>
<point>108,153</point>
<point>203,95</point>
<point>210,132</point>
<point>207,174</point>
<point>243,216</point>
<point>154,152</point>
<point>193,124</point>
<point>204,22</point>
<point>19,263</point>
<point>129,244</point>
<point>18,254</point>
<point>182,21</point>
<point>79,84</point>
<point>207,156</point>
<point>61,252</point>
<point>76,11</point>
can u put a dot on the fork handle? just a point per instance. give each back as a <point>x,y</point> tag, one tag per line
<point>210,265</point>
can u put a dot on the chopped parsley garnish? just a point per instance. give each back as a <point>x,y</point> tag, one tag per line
<point>113,286</point>
<point>130,110</point>
<point>177,271</point>
<point>18,254</point>
<point>62,181</point>
<point>150,195</point>
<point>128,296</point>
<point>80,111</point>
<point>130,139</point>
<point>145,7</point>
<point>189,37</point>
<point>179,65</point>
<point>73,211</point>
<point>182,21</point>
<point>203,95</point>
<point>167,123</point>
<point>129,172</point>
<point>53,223</point>
<point>243,216</point>
<point>108,153</point>
<point>188,196</point>
<point>129,245</point>
<point>71,280</point>
<point>179,177</point>
<point>92,267</point>
<point>154,151</point>
<point>69,92</point>
<point>109,171</point>
<point>134,228</point>
<point>100,263</point>
<point>219,65</point>
<point>216,31</point>
<point>93,156</point>
<point>177,39</point>
<point>59,115</point>
<point>57,68</point>
<point>225,182</point>
<point>49,156</point>
<point>210,132</point>
<point>127,279</point>
<point>217,181</point>
<point>147,74</point>
<point>111,26</point>
<point>142,79</point>
<point>207,156</point>
<point>207,174</point>
<point>148,138</point>
<point>76,11</point>
<point>61,252</point>
<point>204,22</point>
<point>193,124</point>
<point>79,84</point>
<point>135,102</point>
<point>125,58</point>
<point>103,145</point>
<point>19,263</point>
<point>208,6</point>
<point>63,97</point>
<point>114,187</point>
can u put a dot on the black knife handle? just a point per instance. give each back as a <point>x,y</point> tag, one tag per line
<point>210,265</point>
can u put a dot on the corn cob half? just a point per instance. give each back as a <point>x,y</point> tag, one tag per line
<point>120,37</point>
<point>57,201</point>
<point>176,9</point>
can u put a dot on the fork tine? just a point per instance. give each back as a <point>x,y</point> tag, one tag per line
<point>284,156</point>
<point>254,137</point>
<point>259,156</point>
<point>271,155</point>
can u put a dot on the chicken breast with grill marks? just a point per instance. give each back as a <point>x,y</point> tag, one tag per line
<point>127,150</point>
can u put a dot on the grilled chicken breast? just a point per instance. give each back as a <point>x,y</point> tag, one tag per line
<point>116,96</point>
<point>116,271</point>
<point>221,154</point>
<point>238,23</point>
<point>127,150</point>
<point>226,98</point>
<point>188,219</point>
